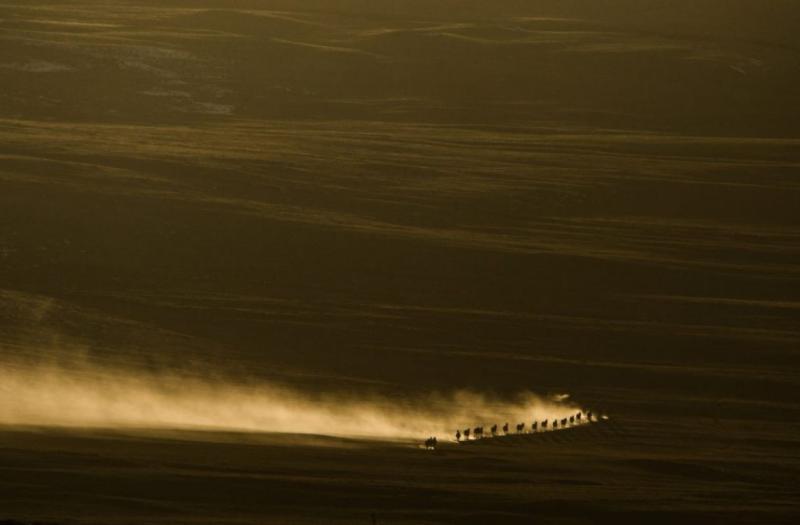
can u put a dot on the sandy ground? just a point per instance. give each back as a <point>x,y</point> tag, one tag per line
<point>607,473</point>
<point>401,201</point>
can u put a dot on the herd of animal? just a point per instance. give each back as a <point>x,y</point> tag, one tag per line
<point>536,426</point>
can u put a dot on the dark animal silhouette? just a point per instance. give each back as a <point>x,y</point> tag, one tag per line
<point>520,427</point>
<point>430,443</point>
<point>505,428</point>
<point>578,416</point>
<point>564,422</point>
<point>466,434</point>
<point>589,416</point>
<point>571,419</point>
<point>477,432</point>
<point>494,430</point>
<point>555,423</point>
<point>458,435</point>
<point>544,424</point>
<point>534,426</point>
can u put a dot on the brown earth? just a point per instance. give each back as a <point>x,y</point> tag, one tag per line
<point>585,197</point>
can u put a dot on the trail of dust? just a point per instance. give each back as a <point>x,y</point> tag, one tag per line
<point>87,396</point>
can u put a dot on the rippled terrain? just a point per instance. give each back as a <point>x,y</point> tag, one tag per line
<point>248,250</point>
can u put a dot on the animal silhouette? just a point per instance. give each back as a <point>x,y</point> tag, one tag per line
<point>544,424</point>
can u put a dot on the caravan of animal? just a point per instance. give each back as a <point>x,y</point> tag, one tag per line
<point>537,426</point>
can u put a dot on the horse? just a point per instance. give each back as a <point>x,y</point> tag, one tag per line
<point>466,434</point>
<point>520,427</point>
<point>494,430</point>
<point>505,428</point>
<point>544,424</point>
<point>477,432</point>
<point>534,426</point>
<point>458,435</point>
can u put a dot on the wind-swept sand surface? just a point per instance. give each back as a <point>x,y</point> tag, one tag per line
<point>639,472</point>
<point>372,220</point>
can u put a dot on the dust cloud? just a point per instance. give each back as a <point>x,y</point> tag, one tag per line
<point>94,397</point>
